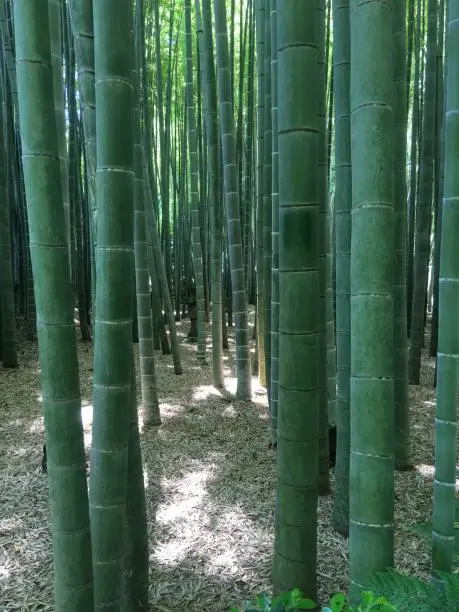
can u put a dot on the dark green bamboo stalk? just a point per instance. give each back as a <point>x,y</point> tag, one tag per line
<point>8,340</point>
<point>295,547</point>
<point>83,33</point>
<point>342,206</point>
<point>424,204</point>
<point>439,174</point>
<point>215,202</point>
<point>402,420</point>
<point>371,486</point>
<point>260,44</point>
<point>114,297</point>
<point>244,378</point>
<point>267,195</point>
<point>275,298</point>
<point>414,157</point>
<point>322,164</point>
<point>196,229</point>
<point>54,13</point>
<point>443,532</point>
<point>54,297</point>
<point>149,388</point>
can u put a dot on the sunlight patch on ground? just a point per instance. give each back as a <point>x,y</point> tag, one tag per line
<point>172,552</point>
<point>176,511</point>
<point>87,436</point>
<point>13,423</point>
<point>228,557</point>
<point>170,410</point>
<point>183,516</point>
<point>11,523</point>
<point>86,418</point>
<point>191,527</point>
<point>258,392</point>
<point>86,415</point>
<point>426,470</point>
<point>203,392</point>
<point>192,483</point>
<point>9,527</point>
<point>36,425</point>
<point>4,572</point>
<point>229,411</point>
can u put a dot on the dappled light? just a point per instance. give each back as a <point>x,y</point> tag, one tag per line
<point>229,411</point>
<point>169,410</point>
<point>145,478</point>
<point>239,239</point>
<point>258,392</point>
<point>4,572</point>
<point>209,485</point>
<point>426,470</point>
<point>36,425</point>
<point>188,498</point>
<point>8,524</point>
<point>203,392</point>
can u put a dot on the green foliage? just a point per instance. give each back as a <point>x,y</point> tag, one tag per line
<point>406,593</point>
<point>409,593</point>
<point>369,603</point>
<point>286,602</point>
<point>294,600</point>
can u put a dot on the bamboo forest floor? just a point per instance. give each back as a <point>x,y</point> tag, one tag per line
<point>210,489</point>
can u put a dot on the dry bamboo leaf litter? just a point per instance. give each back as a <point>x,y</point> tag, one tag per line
<point>210,484</point>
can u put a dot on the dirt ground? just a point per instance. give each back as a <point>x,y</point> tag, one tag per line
<point>210,489</point>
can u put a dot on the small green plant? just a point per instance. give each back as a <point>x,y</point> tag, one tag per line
<point>287,602</point>
<point>410,593</point>
<point>294,600</point>
<point>369,603</point>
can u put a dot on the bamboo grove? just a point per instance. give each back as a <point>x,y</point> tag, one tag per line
<point>175,158</point>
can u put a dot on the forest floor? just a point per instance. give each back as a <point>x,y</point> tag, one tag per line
<point>210,484</point>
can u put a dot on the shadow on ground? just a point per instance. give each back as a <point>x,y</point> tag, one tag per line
<point>210,485</point>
